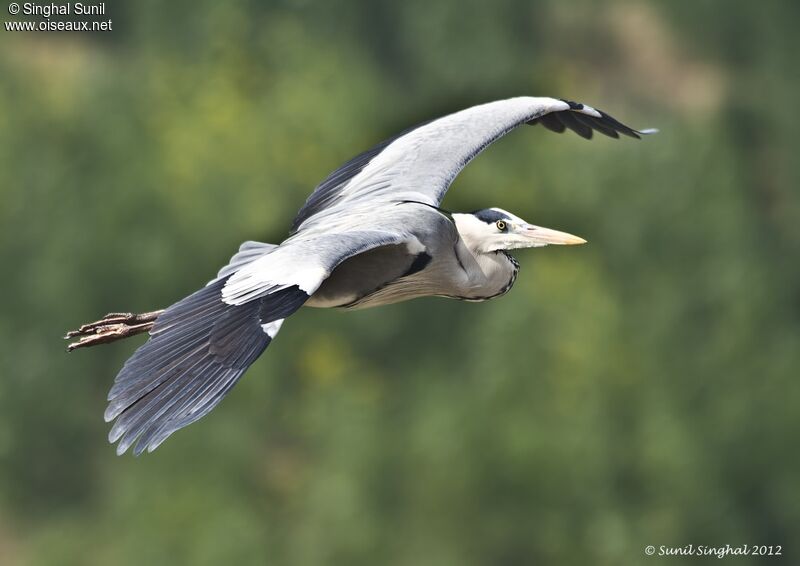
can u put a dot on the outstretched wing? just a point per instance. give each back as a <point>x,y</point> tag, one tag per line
<point>420,163</point>
<point>197,351</point>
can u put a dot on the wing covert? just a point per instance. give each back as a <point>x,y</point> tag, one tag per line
<point>303,262</point>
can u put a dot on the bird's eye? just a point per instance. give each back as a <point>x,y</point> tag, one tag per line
<point>501,225</point>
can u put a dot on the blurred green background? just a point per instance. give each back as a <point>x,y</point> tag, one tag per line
<point>639,390</point>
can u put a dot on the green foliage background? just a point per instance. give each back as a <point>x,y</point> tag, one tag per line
<point>639,390</point>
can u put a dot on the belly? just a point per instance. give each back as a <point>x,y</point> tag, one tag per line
<point>363,276</point>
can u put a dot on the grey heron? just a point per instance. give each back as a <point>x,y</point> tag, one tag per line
<point>372,233</point>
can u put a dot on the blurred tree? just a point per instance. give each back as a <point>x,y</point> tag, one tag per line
<point>641,390</point>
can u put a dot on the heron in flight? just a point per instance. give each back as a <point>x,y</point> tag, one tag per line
<point>372,233</point>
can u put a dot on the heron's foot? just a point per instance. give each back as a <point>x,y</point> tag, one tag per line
<point>112,327</point>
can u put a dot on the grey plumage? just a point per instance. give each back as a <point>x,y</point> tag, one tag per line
<point>371,233</point>
<point>248,252</point>
<point>326,193</point>
<point>198,350</point>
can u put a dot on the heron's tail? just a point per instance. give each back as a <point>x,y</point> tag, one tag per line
<point>197,351</point>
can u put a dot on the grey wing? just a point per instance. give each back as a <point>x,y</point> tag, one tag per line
<point>198,350</point>
<point>305,261</point>
<point>326,193</point>
<point>421,163</point>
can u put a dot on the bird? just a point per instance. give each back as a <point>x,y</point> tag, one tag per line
<point>372,233</point>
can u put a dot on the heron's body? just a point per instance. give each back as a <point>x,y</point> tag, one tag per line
<point>435,262</point>
<point>371,234</point>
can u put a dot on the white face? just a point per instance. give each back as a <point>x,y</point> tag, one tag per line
<point>495,229</point>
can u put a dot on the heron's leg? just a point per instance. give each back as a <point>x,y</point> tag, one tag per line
<point>112,327</point>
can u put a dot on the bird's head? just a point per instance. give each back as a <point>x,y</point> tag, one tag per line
<point>494,229</point>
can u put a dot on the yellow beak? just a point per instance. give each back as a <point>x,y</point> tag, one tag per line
<point>545,236</point>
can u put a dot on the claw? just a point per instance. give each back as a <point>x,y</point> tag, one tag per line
<point>112,327</point>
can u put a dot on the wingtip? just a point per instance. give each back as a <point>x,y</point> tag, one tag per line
<point>648,131</point>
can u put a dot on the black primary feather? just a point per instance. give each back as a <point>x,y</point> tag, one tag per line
<point>569,120</point>
<point>584,124</point>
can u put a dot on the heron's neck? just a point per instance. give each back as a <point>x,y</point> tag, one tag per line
<point>490,274</point>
